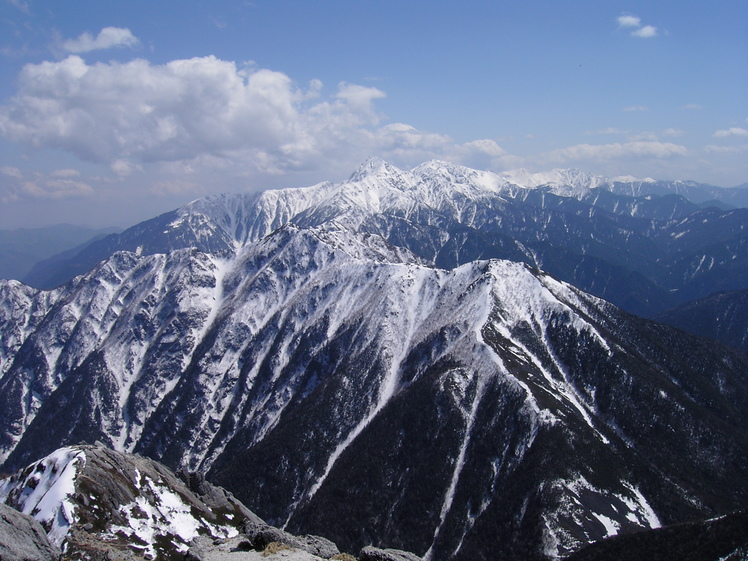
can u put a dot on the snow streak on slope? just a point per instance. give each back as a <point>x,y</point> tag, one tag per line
<point>45,491</point>
<point>297,325</point>
<point>578,494</point>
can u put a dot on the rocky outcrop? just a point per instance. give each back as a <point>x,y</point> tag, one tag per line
<point>374,554</point>
<point>23,539</point>
<point>259,536</point>
<point>101,505</point>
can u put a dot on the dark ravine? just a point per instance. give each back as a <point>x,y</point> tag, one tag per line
<point>328,357</point>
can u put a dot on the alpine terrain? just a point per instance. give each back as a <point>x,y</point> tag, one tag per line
<point>405,359</point>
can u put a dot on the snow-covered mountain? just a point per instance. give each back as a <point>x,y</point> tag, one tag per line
<point>334,357</point>
<point>630,250</point>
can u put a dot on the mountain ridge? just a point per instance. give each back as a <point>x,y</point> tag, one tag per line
<point>361,353</point>
<point>617,247</point>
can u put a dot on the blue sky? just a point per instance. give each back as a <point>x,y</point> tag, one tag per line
<point>112,112</point>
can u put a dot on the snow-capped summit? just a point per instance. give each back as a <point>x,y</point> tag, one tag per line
<point>562,182</point>
<point>374,166</point>
<point>404,349</point>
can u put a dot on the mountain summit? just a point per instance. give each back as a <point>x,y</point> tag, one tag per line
<point>353,360</point>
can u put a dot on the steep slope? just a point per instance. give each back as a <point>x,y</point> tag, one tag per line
<point>722,316</point>
<point>330,378</point>
<point>721,539</point>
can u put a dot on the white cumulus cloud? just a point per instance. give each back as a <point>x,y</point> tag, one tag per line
<point>645,32</point>
<point>107,38</point>
<point>137,111</point>
<point>732,131</point>
<point>204,114</point>
<point>634,23</point>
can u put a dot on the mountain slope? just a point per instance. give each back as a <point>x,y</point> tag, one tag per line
<point>723,539</point>
<point>328,377</point>
<point>640,252</point>
<point>722,316</point>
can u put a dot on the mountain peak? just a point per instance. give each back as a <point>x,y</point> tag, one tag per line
<point>372,167</point>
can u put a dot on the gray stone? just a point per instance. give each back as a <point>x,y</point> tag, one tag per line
<point>370,553</point>
<point>316,545</point>
<point>260,535</point>
<point>23,539</point>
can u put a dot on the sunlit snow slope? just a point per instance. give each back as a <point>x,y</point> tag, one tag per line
<point>340,383</point>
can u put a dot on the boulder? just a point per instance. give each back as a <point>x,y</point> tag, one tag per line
<point>23,539</point>
<point>260,535</point>
<point>370,553</point>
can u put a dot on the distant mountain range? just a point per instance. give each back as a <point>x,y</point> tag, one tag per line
<point>403,359</point>
<point>638,243</point>
<point>23,248</point>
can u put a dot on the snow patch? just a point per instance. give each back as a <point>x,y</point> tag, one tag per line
<point>164,515</point>
<point>46,491</point>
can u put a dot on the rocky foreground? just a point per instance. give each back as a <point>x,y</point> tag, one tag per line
<point>92,503</point>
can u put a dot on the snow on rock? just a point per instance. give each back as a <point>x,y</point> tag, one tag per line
<point>586,510</point>
<point>45,491</point>
<point>158,513</point>
<point>85,495</point>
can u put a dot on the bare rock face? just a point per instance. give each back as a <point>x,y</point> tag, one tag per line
<point>23,539</point>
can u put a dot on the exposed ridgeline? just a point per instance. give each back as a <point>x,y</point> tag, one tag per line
<point>339,383</point>
<point>641,244</point>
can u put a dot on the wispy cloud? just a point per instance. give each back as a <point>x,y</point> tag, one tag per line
<point>692,106</point>
<point>609,130</point>
<point>107,38</point>
<point>21,5</point>
<point>673,132</point>
<point>726,149</point>
<point>626,20</point>
<point>57,185</point>
<point>602,152</point>
<point>632,108</point>
<point>732,131</point>
<point>634,23</point>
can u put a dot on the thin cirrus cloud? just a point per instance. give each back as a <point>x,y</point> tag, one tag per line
<point>634,24</point>
<point>647,149</point>
<point>58,185</point>
<point>108,38</point>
